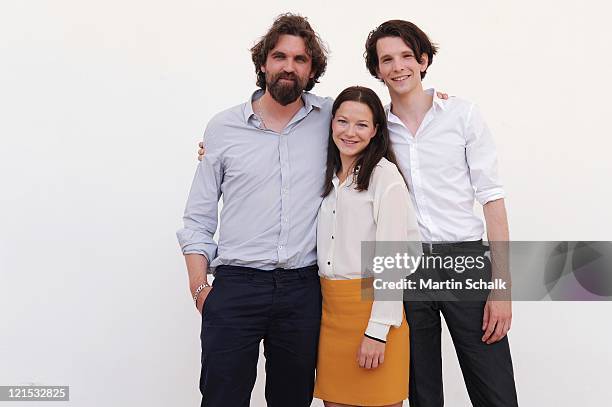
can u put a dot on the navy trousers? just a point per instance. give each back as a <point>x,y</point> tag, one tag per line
<point>487,369</point>
<point>244,307</point>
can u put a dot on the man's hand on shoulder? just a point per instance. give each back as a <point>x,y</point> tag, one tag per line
<point>201,150</point>
<point>442,95</point>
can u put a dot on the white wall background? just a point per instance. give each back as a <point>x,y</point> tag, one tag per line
<point>102,104</point>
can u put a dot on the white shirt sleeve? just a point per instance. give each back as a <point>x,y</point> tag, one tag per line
<point>481,158</point>
<point>395,221</point>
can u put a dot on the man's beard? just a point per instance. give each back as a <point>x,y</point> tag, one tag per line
<point>285,93</point>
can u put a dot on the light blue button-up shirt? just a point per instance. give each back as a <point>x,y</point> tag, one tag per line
<point>271,185</point>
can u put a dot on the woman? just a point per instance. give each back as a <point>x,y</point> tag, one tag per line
<point>363,347</point>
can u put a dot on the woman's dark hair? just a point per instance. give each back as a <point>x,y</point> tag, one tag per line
<point>413,37</point>
<point>291,24</point>
<point>379,146</point>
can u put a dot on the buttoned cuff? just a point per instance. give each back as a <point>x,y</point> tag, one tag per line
<point>377,330</point>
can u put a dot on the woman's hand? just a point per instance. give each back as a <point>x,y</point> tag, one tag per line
<point>371,353</point>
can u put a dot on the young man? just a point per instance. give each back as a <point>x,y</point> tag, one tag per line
<point>267,157</point>
<point>446,153</point>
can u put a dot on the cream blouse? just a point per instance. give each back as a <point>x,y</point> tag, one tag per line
<point>347,217</point>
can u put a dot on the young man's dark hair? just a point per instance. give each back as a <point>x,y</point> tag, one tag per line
<point>412,35</point>
<point>291,24</point>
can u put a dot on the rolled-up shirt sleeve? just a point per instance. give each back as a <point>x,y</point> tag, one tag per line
<point>395,221</point>
<point>201,210</point>
<point>481,157</point>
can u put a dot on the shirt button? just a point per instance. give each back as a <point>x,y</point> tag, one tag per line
<point>334,211</point>
<point>332,236</point>
<point>280,247</point>
<point>328,263</point>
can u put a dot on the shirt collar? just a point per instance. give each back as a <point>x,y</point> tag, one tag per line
<point>248,106</point>
<point>438,104</point>
<point>310,101</point>
<point>336,180</point>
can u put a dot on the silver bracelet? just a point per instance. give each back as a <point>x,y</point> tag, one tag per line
<point>199,290</point>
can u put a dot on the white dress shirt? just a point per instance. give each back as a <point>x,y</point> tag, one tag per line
<point>347,217</point>
<point>449,162</point>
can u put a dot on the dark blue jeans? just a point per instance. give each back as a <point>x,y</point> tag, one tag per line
<point>245,306</point>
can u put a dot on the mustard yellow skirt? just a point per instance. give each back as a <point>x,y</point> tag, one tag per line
<point>346,312</point>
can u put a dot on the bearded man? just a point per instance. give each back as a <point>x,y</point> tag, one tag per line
<point>267,158</point>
